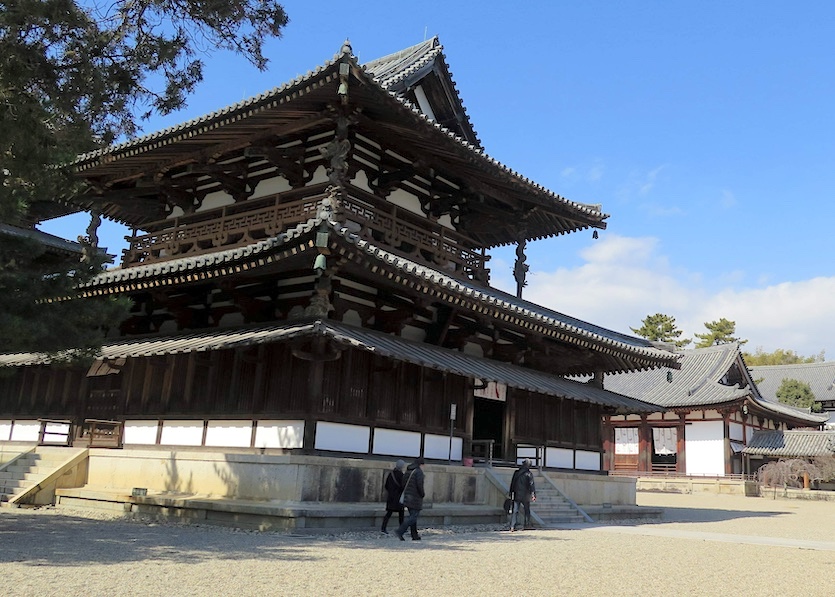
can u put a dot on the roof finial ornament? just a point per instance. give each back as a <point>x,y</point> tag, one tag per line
<point>346,48</point>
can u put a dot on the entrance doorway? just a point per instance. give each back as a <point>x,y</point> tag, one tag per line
<point>488,425</point>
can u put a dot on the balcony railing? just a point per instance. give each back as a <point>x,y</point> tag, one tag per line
<point>389,226</point>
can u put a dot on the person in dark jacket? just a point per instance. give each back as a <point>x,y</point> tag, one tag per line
<point>522,492</point>
<point>412,498</point>
<point>394,487</point>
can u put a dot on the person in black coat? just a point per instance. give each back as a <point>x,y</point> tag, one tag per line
<point>522,492</point>
<point>394,487</point>
<point>413,495</point>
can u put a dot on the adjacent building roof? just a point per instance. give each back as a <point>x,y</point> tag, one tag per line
<point>794,443</point>
<point>699,382</point>
<point>386,345</point>
<point>637,352</point>
<point>819,376</point>
<point>708,377</point>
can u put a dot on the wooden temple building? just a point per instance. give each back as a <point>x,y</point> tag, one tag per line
<point>309,274</point>
<point>708,411</point>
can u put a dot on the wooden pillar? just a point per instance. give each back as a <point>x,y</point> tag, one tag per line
<point>644,445</point>
<point>508,447</point>
<point>726,434</point>
<point>608,434</point>
<point>681,449</point>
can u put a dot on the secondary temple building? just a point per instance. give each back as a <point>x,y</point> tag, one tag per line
<point>309,274</point>
<point>708,411</point>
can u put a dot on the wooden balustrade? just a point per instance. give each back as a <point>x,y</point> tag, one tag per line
<point>391,227</point>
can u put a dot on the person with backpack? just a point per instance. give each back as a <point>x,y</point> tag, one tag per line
<point>522,492</point>
<point>394,487</point>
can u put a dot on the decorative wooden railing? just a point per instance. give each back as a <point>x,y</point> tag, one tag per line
<point>389,226</point>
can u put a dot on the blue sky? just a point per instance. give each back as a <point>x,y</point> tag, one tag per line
<point>704,128</point>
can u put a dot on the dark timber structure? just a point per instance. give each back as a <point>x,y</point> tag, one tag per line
<point>308,272</point>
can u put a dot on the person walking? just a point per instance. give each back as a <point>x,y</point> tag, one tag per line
<point>522,492</point>
<point>412,498</point>
<point>394,489</point>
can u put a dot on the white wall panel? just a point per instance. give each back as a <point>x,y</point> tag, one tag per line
<point>392,442</point>
<point>140,432</point>
<point>232,434</point>
<point>279,434</point>
<point>705,448</point>
<point>437,447</point>
<point>559,457</point>
<point>587,461</point>
<point>182,433</point>
<point>26,431</point>
<point>339,437</point>
<point>735,431</point>
<point>5,431</point>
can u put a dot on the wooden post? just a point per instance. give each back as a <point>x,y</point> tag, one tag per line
<point>681,449</point>
<point>644,446</point>
<point>608,433</point>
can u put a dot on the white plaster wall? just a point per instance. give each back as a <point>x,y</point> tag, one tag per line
<point>406,200</point>
<point>232,434</point>
<point>182,433</point>
<point>705,448</point>
<point>392,442</point>
<point>140,432</point>
<point>411,332</point>
<point>271,186</point>
<point>5,431</point>
<point>559,457</point>
<point>361,181</point>
<point>587,461</point>
<point>735,431</point>
<point>279,434</point>
<point>339,437</point>
<point>26,431</point>
<point>215,200</point>
<point>473,349</point>
<point>320,175</point>
<point>437,447</point>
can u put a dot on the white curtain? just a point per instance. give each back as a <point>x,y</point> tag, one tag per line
<point>665,440</point>
<point>626,440</point>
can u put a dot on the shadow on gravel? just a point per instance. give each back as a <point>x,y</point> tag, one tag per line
<point>675,514</point>
<point>57,540</point>
<point>60,540</point>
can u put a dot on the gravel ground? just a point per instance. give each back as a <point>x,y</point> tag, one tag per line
<point>701,547</point>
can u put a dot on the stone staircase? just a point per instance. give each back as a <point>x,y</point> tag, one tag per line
<point>30,469</point>
<point>552,507</point>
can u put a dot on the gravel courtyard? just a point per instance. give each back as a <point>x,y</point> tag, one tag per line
<point>706,545</point>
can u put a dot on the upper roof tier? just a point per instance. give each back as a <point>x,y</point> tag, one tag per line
<point>407,123</point>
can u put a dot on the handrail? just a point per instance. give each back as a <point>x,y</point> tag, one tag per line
<point>249,221</point>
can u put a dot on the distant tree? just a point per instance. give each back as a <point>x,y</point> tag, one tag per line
<point>75,76</point>
<point>779,357</point>
<point>661,328</point>
<point>799,394</point>
<point>718,332</point>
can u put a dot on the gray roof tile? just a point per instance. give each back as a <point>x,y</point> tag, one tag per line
<point>570,326</point>
<point>419,353</point>
<point>699,383</point>
<point>794,443</point>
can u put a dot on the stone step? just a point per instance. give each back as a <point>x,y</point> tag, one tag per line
<point>13,486</point>
<point>27,476</point>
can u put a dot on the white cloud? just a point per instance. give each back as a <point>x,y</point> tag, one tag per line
<point>728,199</point>
<point>623,279</point>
